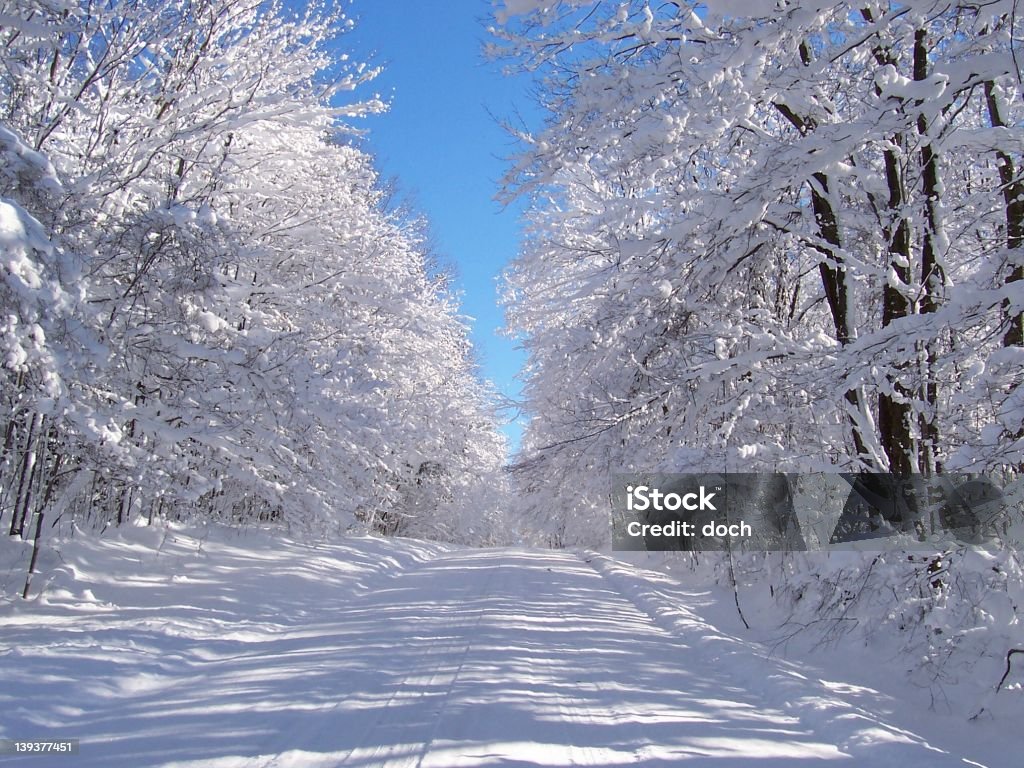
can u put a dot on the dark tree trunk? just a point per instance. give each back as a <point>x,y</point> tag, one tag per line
<point>1013,200</point>
<point>28,468</point>
<point>894,411</point>
<point>831,267</point>
<point>932,276</point>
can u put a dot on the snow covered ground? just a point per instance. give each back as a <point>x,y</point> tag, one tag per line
<point>213,648</point>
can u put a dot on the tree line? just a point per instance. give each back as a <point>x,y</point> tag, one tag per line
<point>769,236</point>
<point>210,307</point>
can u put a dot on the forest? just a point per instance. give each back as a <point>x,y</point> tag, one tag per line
<point>211,308</point>
<point>770,236</point>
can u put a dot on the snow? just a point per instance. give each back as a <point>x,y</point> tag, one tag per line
<point>211,322</point>
<point>161,646</point>
<point>13,242</point>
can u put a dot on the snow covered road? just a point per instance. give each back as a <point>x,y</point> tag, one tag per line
<point>448,658</point>
<point>534,659</point>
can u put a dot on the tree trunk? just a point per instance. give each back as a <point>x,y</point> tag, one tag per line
<point>894,409</point>
<point>832,270</point>
<point>833,280</point>
<point>28,466</point>
<point>932,276</point>
<point>1013,201</point>
<point>35,554</point>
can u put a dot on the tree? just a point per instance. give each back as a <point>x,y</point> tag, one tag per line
<point>759,240</point>
<point>262,339</point>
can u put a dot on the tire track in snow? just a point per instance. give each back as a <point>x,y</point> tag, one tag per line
<point>527,658</point>
<point>381,654</point>
<point>563,662</point>
<point>538,660</point>
<point>444,673</point>
<point>376,746</point>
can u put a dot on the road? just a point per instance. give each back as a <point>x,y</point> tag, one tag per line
<point>245,659</point>
<point>531,659</point>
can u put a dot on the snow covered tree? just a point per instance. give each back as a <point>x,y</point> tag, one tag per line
<point>255,336</point>
<point>768,236</point>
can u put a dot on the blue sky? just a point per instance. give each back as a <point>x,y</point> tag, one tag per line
<point>442,142</point>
